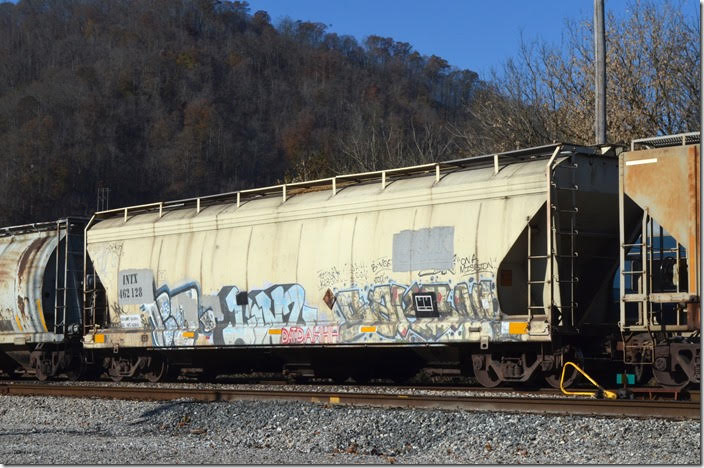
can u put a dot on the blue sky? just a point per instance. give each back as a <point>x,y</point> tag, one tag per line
<point>472,34</point>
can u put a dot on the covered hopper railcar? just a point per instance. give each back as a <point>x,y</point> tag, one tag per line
<point>499,266</point>
<point>41,298</point>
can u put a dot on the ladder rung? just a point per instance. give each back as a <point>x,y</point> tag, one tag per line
<point>538,282</point>
<point>632,245</point>
<point>634,272</point>
<point>634,297</point>
<point>536,307</point>
<point>539,257</point>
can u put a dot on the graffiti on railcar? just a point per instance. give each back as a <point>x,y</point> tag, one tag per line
<point>380,270</point>
<point>390,306</point>
<point>280,314</point>
<point>318,334</point>
<point>106,256</point>
<point>183,316</point>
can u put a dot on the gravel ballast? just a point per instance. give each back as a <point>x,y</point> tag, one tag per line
<point>72,431</point>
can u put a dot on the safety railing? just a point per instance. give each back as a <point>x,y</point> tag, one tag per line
<point>496,161</point>
<point>690,138</point>
<point>37,227</point>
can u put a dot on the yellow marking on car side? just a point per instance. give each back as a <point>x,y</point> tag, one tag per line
<point>367,329</point>
<point>517,328</point>
<point>99,338</point>
<point>274,331</point>
<point>41,314</point>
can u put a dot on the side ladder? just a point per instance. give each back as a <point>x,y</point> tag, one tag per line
<point>562,227</point>
<point>95,310</point>
<point>564,211</point>
<point>69,259</point>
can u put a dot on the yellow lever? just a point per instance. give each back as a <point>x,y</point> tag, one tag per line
<point>607,393</point>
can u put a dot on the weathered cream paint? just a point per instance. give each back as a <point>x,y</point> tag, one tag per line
<point>305,239</point>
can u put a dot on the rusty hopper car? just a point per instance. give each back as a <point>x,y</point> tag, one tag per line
<point>41,298</point>
<point>454,265</point>
<point>659,313</point>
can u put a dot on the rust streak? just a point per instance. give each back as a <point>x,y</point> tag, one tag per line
<point>27,258</point>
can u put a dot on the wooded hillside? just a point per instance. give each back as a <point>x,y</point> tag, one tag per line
<point>166,99</point>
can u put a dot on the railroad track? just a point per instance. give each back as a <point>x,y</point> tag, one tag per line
<point>568,406</point>
<point>647,393</point>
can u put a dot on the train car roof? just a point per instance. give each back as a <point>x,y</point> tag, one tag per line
<point>339,182</point>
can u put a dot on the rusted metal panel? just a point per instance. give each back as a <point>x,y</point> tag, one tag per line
<point>664,181</point>
<point>318,268</point>
<point>694,315</point>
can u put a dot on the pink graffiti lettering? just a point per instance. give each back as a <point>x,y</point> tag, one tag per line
<point>312,335</point>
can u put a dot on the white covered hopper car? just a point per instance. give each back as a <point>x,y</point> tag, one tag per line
<point>447,265</point>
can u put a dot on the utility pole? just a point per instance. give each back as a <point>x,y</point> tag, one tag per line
<point>700,263</point>
<point>600,73</point>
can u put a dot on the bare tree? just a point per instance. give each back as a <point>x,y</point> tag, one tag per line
<point>546,94</point>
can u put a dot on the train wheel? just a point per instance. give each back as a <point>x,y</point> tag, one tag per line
<point>674,379</point>
<point>41,374</point>
<point>43,368</point>
<point>553,378</point>
<point>157,370</point>
<point>487,377</point>
<point>113,371</point>
<point>483,372</point>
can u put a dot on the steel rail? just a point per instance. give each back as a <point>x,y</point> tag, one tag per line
<point>635,408</point>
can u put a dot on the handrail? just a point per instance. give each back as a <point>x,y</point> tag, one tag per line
<point>133,208</point>
<point>667,140</point>
<point>38,227</point>
<point>493,161</point>
<point>607,393</point>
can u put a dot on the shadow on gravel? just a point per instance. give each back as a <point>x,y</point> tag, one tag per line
<point>165,407</point>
